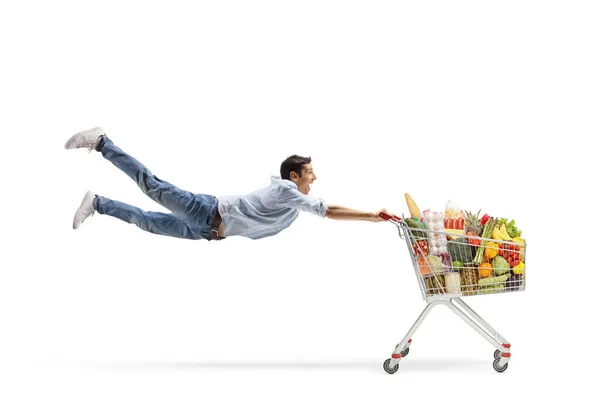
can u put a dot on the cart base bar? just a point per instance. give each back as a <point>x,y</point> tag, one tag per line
<point>471,318</point>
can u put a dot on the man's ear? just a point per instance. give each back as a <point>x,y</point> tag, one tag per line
<point>293,175</point>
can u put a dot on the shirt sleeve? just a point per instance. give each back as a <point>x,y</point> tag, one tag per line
<point>305,202</point>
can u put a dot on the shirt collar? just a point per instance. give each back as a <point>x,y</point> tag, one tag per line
<point>277,181</point>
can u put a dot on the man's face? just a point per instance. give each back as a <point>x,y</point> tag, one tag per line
<point>307,176</point>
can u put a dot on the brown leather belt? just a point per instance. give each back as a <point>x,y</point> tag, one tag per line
<point>214,232</point>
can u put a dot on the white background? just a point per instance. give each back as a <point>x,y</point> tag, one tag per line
<point>491,104</point>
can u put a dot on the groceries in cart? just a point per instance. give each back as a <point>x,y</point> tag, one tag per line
<point>461,253</point>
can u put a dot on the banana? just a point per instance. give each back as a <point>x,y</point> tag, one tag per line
<point>504,234</point>
<point>496,234</point>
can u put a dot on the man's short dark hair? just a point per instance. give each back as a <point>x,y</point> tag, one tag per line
<point>293,163</point>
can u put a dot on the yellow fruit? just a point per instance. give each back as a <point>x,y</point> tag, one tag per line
<point>519,269</point>
<point>503,233</point>
<point>496,235</point>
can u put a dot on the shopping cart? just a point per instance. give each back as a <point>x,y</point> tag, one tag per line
<point>462,267</point>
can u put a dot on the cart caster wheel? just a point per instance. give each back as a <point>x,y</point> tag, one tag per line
<point>405,352</point>
<point>497,366</point>
<point>386,366</point>
<point>497,354</point>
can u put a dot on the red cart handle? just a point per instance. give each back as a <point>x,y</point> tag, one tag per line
<point>387,217</point>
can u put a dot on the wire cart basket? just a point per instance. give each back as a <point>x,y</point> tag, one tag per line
<point>464,268</point>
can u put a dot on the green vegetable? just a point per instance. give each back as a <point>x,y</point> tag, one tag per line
<point>488,229</point>
<point>415,224</point>
<point>456,265</point>
<point>510,227</point>
<point>460,250</point>
<point>501,266</point>
<point>494,280</point>
<point>512,230</point>
<point>491,289</point>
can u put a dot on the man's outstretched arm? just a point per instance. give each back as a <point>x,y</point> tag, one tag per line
<point>348,214</point>
<point>317,206</point>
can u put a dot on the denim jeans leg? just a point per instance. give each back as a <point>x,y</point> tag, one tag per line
<point>194,208</point>
<point>153,222</point>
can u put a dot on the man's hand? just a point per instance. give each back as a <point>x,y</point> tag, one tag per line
<point>377,218</point>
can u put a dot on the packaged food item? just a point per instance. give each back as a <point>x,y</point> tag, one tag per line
<point>437,264</point>
<point>452,282</point>
<point>461,250</point>
<point>454,218</point>
<point>435,285</point>
<point>420,248</point>
<point>513,283</point>
<point>438,244</point>
<point>424,268</point>
<point>469,278</point>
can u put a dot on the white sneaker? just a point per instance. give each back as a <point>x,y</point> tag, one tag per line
<point>88,139</point>
<point>86,209</point>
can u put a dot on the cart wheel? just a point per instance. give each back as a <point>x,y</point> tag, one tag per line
<point>497,354</point>
<point>386,366</point>
<point>497,366</point>
<point>405,352</point>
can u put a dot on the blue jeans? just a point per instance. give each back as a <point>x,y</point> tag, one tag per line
<point>192,214</point>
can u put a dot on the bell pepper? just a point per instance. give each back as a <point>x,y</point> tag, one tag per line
<point>491,250</point>
<point>484,219</point>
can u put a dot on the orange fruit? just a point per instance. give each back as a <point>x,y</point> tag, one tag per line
<point>485,270</point>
